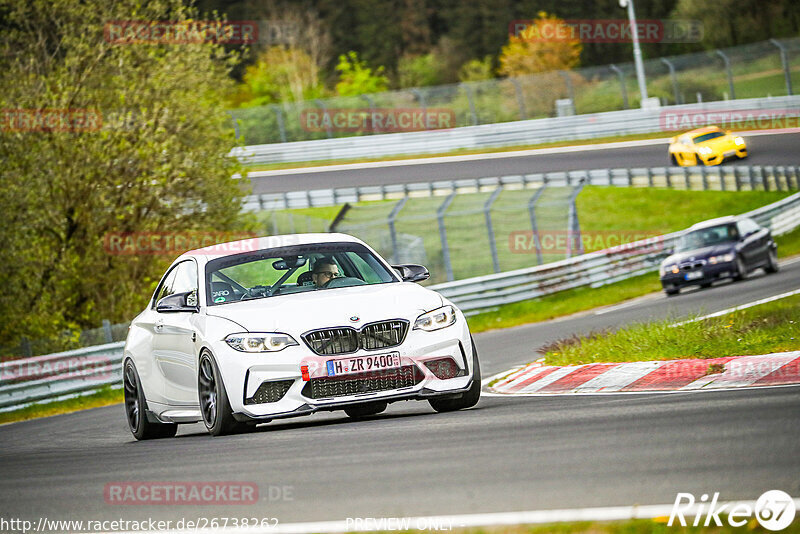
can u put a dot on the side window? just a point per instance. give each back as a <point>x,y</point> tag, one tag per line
<point>165,289</point>
<point>185,277</point>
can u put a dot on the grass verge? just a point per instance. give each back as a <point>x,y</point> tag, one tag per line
<point>762,329</point>
<point>103,397</point>
<point>633,526</point>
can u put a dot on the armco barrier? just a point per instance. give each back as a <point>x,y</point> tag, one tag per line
<point>594,269</point>
<point>519,133</point>
<point>723,178</point>
<point>71,373</point>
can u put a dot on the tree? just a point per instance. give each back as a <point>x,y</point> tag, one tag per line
<point>476,70</point>
<point>356,78</point>
<point>536,50</point>
<point>65,186</point>
<point>281,74</point>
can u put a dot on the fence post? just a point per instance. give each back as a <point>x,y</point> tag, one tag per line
<point>621,84</point>
<point>727,62</point>
<point>674,79</point>
<point>534,227</point>
<point>573,226</point>
<point>570,89</point>
<point>392,232</point>
<point>109,335</point>
<point>421,97</point>
<point>236,133</point>
<point>274,222</point>
<point>490,229</point>
<point>324,109</point>
<point>25,347</point>
<point>443,235</point>
<point>520,100</point>
<point>279,117</point>
<point>785,62</point>
<point>371,103</point>
<point>473,112</point>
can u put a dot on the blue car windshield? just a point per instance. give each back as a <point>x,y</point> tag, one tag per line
<point>707,137</point>
<point>707,237</point>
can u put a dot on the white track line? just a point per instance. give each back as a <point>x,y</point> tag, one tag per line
<point>618,377</point>
<point>449,522</point>
<point>740,307</point>
<point>550,378</point>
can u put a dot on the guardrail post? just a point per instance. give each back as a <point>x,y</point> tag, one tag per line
<point>727,62</point>
<point>672,77</point>
<point>534,227</point>
<point>765,178</point>
<point>573,226</point>
<point>785,62</point>
<point>107,331</point>
<point>780,178</point>
<point>472,111</point>
<point>324,109</point>
<point>621,84</point>
<point>570,89</point>
<point>686,181</point>
<point>649,177</point>
<point>751,173</point>
<point>443,235</point>
<point>490,229</point>
<point>736,179</point>
<point>629,175</point>
<point>520,100</point>
<point>392,232</point>
<point>704,177</point>
<point>274,223</point>
<point>279,117</point>
<point>794,177</point>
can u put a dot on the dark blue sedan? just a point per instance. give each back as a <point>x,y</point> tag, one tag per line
<point>728,247</point>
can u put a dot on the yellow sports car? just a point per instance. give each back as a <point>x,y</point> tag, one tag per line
<point>707,146</point>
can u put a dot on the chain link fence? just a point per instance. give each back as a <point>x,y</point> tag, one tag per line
<point>769,68</point>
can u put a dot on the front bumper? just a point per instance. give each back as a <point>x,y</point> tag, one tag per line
<point>708,273</point>
<point>243,375</point>
<point>720,157</point>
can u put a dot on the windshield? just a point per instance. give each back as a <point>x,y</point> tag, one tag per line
<point>707,137</point>
<point>296,269</point>
<point>707,237</point>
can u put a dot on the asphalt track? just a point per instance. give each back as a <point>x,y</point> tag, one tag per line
<point>764,149</point>
<point>506,454</point>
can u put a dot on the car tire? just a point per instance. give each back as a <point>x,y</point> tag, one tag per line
<point>672,292</point>
<point>741,270</point>
<point>672,160</point>
<point>772,262</point>
<point>705,285</point>
<point>136,408</point>
<point>366,409</point>
<point>468,399</point>
<point>214,405</point>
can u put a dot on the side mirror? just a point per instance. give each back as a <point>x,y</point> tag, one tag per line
<point>411,272</point>
<point>179,302</point>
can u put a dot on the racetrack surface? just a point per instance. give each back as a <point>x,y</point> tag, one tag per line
<point>766,149</point>
<point>507,454</point>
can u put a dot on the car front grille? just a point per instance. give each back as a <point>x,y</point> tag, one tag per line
<point>358,383</point>
<point>345,340</point>
<point>270,391</point>
<point>692,265</point>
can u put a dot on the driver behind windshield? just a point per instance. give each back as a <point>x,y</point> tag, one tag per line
<point>325,270</point>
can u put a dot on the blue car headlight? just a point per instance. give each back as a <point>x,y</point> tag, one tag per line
<point>436,319</point>
<point>722,258</point>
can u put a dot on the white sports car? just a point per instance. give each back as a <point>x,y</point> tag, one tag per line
<point>249,331</point>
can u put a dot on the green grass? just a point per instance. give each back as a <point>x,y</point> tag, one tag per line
<point>789,244</point>
<point>763,329</point>
<point>633,526</point>
<point>103,397</point>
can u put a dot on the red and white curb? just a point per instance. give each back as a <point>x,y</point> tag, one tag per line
<point>668,375</point>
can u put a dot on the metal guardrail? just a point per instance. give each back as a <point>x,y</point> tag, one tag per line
<point>594,269</point>
<point>729,177</point>
<point>81,371</point>
<point>518,133</point>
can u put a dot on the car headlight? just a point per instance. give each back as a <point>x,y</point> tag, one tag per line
<point>672,268</point>
<point>705,150</point>
<point>436,319</point>
<point>721,258</point>
<point>260,341</point>
<point>738,141</point>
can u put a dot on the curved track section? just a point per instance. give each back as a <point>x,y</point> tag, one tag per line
<point>507,454</point>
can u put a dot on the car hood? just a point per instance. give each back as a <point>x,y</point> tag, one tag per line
<point>700,253</point>
<point>300,312</point>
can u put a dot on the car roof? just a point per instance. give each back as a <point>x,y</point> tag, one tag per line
<point>265,242</point>
<point>715,222</point>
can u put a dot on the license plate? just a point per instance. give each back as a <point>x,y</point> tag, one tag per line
<point>361,364</point>
<point>730,153</point>
<point>693,276</point>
